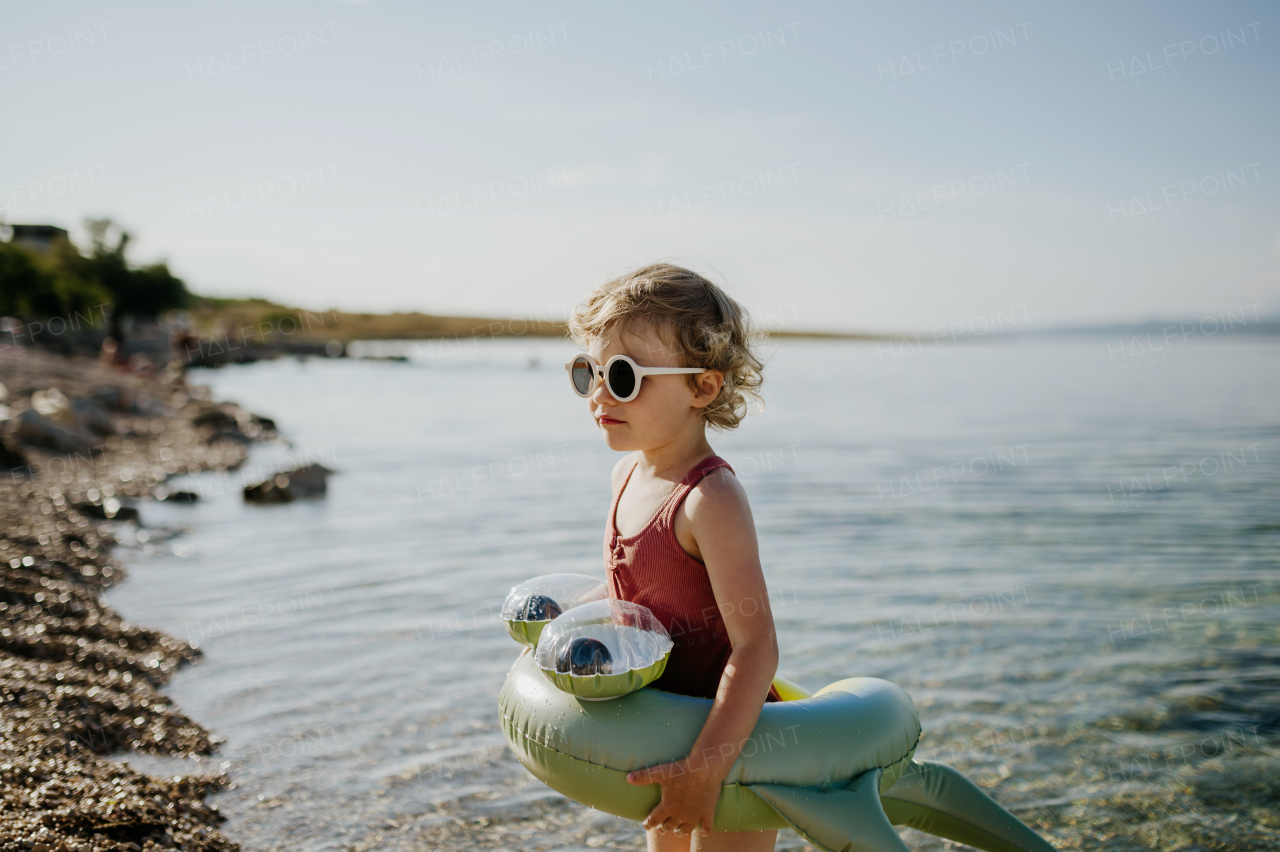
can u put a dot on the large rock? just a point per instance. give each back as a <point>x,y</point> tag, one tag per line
<point>42,431</point>
<point>232,434</point>
<point>309,481</point>
<point>10,457</point>
<point>217,416</point>
<point>274,490</point>
<point>116,399</point>
<point>231,422</point>
<point>75,414</point>
<point>108,509</point>
<point>162,492</point>
<point>92,416</point>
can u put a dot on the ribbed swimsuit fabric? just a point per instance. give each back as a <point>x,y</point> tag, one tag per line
<point>652,569</point>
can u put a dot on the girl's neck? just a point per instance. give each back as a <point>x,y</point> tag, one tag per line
<point>678,456</point>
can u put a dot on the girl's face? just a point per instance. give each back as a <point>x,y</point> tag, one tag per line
<point>667,409</point>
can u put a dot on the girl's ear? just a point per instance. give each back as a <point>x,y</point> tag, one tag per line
<point>707,387</point>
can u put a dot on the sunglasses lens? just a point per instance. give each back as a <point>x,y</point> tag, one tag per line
<point>580,373</point>
<point>622,379</point>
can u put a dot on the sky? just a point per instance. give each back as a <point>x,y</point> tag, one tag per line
<point>837,166</point>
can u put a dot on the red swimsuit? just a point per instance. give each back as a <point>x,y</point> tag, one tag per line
<point>652,569</point>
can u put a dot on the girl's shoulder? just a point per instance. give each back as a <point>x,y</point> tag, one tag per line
<point>620,471</point>
<point>717,493</point>
<point>715,517</point>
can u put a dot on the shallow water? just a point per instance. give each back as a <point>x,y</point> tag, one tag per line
<point>1066,555</point>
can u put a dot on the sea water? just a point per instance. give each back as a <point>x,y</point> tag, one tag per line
<point>1066,551</point>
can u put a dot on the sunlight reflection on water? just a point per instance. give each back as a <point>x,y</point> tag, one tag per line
<point>1030,538</point>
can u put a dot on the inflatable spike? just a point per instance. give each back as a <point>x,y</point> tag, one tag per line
<point>840,819</point>
<point>938,800</point>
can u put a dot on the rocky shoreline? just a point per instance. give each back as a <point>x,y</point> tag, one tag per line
<point>81,441</point>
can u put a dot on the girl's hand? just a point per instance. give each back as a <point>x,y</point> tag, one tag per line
<point>689,796</point>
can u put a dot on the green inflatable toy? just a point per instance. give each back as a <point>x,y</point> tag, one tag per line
<point>836,766</point>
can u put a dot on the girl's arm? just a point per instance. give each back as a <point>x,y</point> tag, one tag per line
<point>724,535</point>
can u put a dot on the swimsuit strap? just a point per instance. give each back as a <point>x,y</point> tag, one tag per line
<point>691,479</point>
<point>665,513</point>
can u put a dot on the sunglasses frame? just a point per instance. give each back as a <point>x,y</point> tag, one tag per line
<point>601,374</point>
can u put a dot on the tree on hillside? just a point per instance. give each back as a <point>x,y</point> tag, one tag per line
<point>34,285</point>
<point>146,291</point>
<point>64,280</point>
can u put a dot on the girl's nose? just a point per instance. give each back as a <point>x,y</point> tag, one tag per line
<point>601,394</point>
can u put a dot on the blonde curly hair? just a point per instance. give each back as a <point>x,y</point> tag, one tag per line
<point>708,328</point>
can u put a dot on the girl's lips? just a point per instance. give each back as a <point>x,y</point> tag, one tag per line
<point>610,421</point>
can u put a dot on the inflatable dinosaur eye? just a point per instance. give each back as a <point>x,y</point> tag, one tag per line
<point>540,608</point>
<point>531,605</point>
<point>604,649</point>
<point>583,656</point>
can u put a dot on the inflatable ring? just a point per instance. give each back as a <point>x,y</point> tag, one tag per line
<point>836,766</point>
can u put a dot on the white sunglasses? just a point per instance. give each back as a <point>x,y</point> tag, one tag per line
<point>620,375</point>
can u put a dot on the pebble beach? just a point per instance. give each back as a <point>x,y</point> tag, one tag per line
<point>78,682</point>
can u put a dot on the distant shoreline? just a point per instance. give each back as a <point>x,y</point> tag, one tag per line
<point>258,321</point>
<point>261,321</point>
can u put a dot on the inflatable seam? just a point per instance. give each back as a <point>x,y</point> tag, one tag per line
<point>907,758</point>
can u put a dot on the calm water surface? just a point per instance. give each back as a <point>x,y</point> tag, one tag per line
<point>1068,557</point>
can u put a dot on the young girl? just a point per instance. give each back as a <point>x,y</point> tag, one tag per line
<point>665,353</point>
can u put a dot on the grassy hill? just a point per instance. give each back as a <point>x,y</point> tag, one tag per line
<point>263,319</point>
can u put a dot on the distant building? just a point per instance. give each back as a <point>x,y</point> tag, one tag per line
<point>38,237</point>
